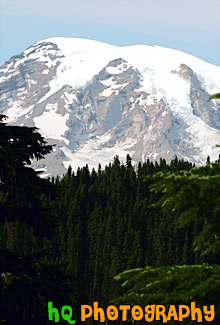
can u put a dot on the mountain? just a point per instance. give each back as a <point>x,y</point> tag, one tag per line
<point>94,101</point>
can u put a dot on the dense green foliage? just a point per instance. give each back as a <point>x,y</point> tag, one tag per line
<point>20,186</point>
<point>215,96</point>
<point>27,281</point>
<point>64,240</point>
<point>172,285</point>
<point>194,195</point>
<point>106,227</point>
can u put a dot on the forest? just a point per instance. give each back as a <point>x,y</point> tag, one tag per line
<point>120,234</point>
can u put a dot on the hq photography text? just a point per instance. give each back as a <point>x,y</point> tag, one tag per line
<point>149,313</point>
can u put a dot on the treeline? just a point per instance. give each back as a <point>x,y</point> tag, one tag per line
<point>107,226</point>
<point>103,224</point>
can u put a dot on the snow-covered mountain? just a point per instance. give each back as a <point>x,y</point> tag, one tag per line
<point>95,101</point>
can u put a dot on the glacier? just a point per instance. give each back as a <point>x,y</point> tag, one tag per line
<point>94,101</point>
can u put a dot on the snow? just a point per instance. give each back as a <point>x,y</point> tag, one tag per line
<point>153,155</point>
<point>51,124</point>
<point>83,59</point>
<point>69,99</point>
<point>16,110</point>
<point>118,69</point>
<point>114,87</point>
<point>80,60</point>
<point>205,137</point>
<point>45,175</point>
<point>30,82</point>
<point>107,82</point>
<point>94,151</point>
<point>42,169</point>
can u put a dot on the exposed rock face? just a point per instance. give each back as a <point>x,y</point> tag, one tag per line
<point>95,101</point>
<point>200,98</point>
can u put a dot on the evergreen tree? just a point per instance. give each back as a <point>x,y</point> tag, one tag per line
<point>26,280</point>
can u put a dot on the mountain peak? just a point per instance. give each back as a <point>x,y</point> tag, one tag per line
<point>95,100</point>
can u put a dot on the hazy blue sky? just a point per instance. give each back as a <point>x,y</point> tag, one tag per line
<point>192,26</point>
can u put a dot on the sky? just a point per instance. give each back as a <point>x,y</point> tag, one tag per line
<point>192,26</point>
